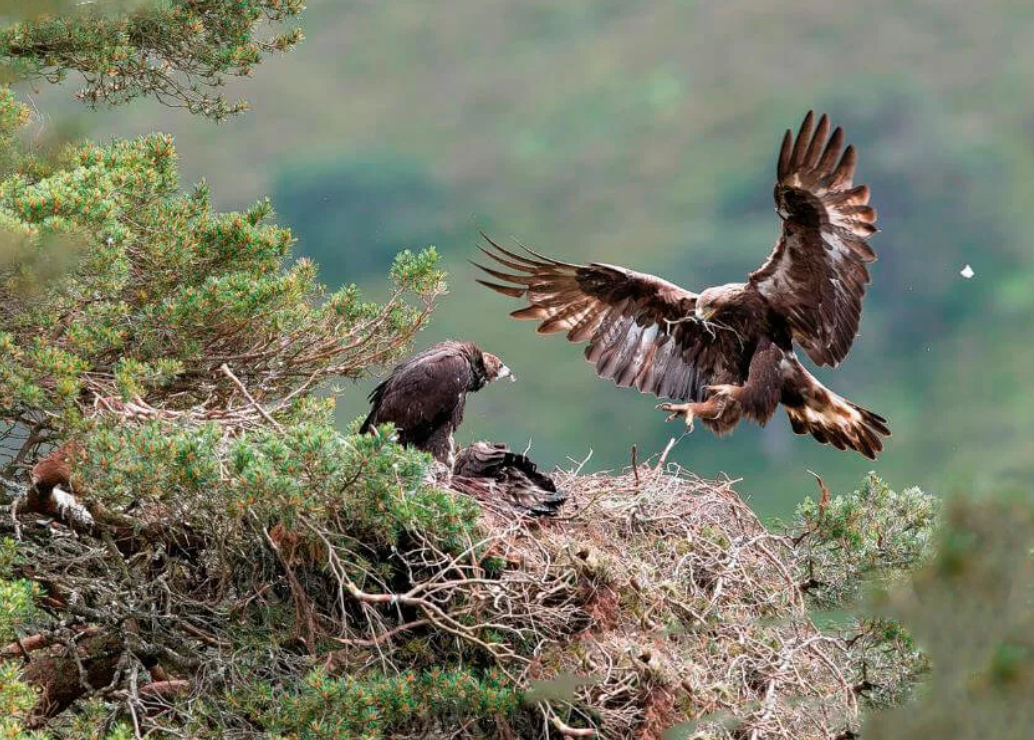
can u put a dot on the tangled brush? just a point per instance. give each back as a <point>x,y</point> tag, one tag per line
<point>349,598</point>
<point>678,610</point>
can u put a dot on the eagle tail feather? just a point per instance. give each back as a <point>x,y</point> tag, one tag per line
<point>838,422</point>
<point>829,418</point>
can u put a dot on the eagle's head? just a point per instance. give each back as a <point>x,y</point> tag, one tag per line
<point>495,369</point>
<point>713,301</point>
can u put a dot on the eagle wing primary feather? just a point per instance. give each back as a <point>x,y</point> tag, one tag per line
<point>639,327</point>
<point>816,276</point>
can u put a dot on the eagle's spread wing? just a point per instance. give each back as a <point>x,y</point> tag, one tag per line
<point>639,327</point>
<point>492,471</point>
<point>422,393</point>
<point>816,275</point>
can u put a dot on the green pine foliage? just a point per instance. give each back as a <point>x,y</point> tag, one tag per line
<point>16,610</point>
<point>265,574</point>
<point>852,546</point>
<point>245,546</point>
<point>179,52</point>
<point>303,471</point>
<point>377,707</point>
<point>158,292</point>
<point>187,354</point>
<point>861,537</point>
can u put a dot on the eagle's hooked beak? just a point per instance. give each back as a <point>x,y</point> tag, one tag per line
<point>505,372</point>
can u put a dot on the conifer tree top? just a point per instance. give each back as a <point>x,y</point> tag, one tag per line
<point>178,52</point>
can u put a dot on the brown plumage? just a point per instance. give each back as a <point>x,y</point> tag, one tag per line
<point>728,350</point>
<point>55,470</point>
<point>52,492</point>
<point>134,528</point>
<point>51,478</point>
<point>424,396</point>
<point>493,472</point>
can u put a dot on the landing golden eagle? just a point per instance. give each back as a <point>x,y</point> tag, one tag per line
<point>425,395</point>
<point>727,352</point>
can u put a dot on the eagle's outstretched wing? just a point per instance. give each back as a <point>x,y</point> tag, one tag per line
<point>638,326</point>
<point>816,276</point>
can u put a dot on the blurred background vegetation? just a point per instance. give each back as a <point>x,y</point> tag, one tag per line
<point>645,133</point>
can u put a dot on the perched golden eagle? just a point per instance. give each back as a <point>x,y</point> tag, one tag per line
<point>491,470</point>
<point>424,396</point>
<point>728,350</point>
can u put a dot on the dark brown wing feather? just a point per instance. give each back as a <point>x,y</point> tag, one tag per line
<point>422,393</point>
<point>638,326</point>
<point>493,472</point>
<point>816,276</point>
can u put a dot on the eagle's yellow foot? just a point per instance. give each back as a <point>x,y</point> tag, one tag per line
<point>675,410</point>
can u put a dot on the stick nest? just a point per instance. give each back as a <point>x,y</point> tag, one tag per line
<point>662,601</point>
<point>656,601</point>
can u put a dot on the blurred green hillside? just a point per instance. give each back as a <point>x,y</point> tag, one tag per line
<point>645,133</point>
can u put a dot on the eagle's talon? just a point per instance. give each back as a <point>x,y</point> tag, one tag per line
<point>679,409</point>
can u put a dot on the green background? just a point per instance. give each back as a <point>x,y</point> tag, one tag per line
<point>645,134</point>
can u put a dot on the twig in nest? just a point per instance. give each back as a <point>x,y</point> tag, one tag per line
<point>26,645</point>
<point>384,635</point>
<point>824,498</point>
<point>225,369</point>
<point>664,454</point>
<point>14,520</point>
<point>576,471</point>
<point>165,689</point>
<point>202,635</point>
<point>22,648</point>
<point>305,618</point>
<point>566,730</point>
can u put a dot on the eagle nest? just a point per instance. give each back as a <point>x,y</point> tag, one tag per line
<point>656,605</point>
<point>664,607</point>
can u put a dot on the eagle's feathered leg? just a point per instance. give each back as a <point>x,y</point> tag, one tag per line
<point>440,444</point>
<point>712,408</point>
<point>758,397</point>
